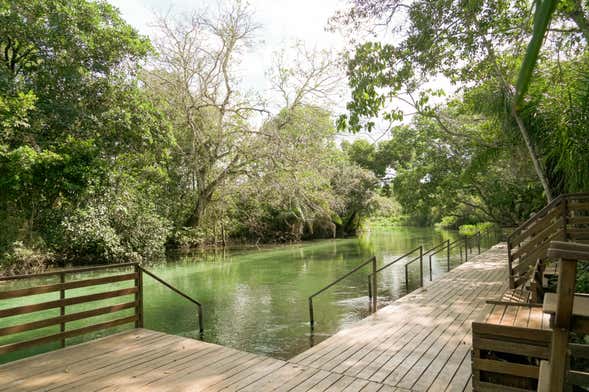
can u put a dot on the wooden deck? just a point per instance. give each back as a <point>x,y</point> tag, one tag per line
<point>421,342</point>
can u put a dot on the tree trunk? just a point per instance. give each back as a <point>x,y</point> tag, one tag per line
<point>202,202</point>
<point>533,155</point>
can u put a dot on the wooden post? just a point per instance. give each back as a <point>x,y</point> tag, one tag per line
<point>430,267</point>
<point>567,269</point>
<point>479,242</point>
<point>448,255</point>
<point>465,248</point>
<point>374,287</point>
<point>510,266</point>
<point>62,307</point>
<point>369,287</point>
<point>139,296</point>
<point>565,213</point>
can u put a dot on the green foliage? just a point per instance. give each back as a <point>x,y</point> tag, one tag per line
<point>116,227</point>
<point>471,230</point>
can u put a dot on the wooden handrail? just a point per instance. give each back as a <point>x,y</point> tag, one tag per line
<point>97,309</point>
<point>66,271</point>
<point>557,221</point>
<point>568,250</point>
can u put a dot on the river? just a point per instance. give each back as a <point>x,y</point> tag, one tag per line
<point>256,299</point>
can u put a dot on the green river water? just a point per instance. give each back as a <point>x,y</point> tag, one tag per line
<point>255,299</point>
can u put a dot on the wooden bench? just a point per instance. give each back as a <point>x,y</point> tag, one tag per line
<point>510,343</point>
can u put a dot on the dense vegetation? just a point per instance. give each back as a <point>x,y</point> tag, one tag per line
<point>474,153</point>
<point>114,146</point>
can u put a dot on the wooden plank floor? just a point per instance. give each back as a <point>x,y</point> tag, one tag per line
<point>421,342</point>
<point>418,343</point>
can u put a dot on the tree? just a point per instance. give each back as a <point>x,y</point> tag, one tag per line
<point>468,43</point>
<point>194,78</point>
<point>71,111</point>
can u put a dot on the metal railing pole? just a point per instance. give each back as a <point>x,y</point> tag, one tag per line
<point>448,255</point>
<point>421,265</point>
<point>406,279</point>
<point>374,286</point>
<point>311,317</point>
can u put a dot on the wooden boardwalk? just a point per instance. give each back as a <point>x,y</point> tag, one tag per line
<point>421,342</point>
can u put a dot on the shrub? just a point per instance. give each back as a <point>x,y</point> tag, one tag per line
<point>118,227</point>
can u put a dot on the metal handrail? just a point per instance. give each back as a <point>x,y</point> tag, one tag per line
<point>399,258</point>
<point>420,258</point>
<point>177,291</point>
<point>440,245</point>
<point>370,260</point>
<point>447,247</point>
<point>386,266</point>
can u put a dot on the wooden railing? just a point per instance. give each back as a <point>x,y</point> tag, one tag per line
<point>130,274</point>
<point>566,218</point>
<point>554,375</point>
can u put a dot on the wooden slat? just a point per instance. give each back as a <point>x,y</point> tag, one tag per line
<point>513,369</point>
<point>548,232</point>
<point>576,234</point>
<point>65,286</point>
<point>68,334</point>
<point>576,220</point>
<point>64,319</point>
<point>488,387</point>
<point>579,350</point>
<point>578,206</point>
<point>518,333</point>
<point>511,347</point>
<point>576,377</point>
<point>67,271</point>
<point>537,227</point>
<point>568,250</point>
<point>66,302</point>
<point>580,305</point>
<point>539,252</point>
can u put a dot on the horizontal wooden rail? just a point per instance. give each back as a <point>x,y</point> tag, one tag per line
<point>67,271</point>
<point>66,286</point>
<point>67,334</point>
<point>61,288</point>
<point>566,218</point>
<point>64,319</point>
<point>66,302</point>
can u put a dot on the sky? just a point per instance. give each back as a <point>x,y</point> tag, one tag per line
<point>283,23</point>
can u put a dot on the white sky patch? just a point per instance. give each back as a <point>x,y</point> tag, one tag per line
<point>282,24</point>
